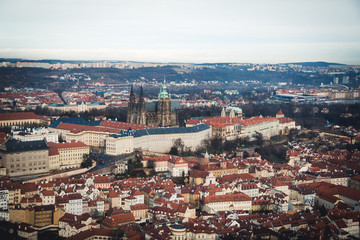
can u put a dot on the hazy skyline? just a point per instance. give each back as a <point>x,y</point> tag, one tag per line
<point>182,31</point>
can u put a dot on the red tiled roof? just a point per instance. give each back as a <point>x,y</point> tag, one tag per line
<point>285,120</point>
<point>227,198</point>
<point>53,151</point>
<point>138,207</point>
<point>3,137</point>
<point>72,144</point>
<point>21,116</point>
<point>47,192</point>
<point>256,120</point>
<point>198,174</point>
<point>89,234</point>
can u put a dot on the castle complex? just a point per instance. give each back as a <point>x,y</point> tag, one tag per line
<point>160,113</point>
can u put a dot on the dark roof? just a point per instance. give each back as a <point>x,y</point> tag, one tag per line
<point>79,121</point>
<point>174,130</point>
<point>18,146</point>
<point>152,105</point>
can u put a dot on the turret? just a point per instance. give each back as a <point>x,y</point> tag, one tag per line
<point>131,107</point>
<point>141,116</point>
<point>223,114</point>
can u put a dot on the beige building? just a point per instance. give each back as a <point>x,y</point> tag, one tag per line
<point>25,158</point>
<point>227,202</point>
<point>70,153</point>
<point>140,211</point>
<point>157,139</point>
<point>285,123</point>
<point>82,107</point>
<point>22,119</point>
<point>90,135</point>
<point>267,126</point>
<point>54,161</point>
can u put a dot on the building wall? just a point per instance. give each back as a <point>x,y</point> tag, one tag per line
<point>116,147</point>
<point>54,162</point>
<point>215,207</point>
<point>94,139</point>
<point>26,163</point>
<point>77,108</point>
<point>50,136</point>
<point>4,199</point>
<point>72,157</point>
<point>43,218</point>
<point>23,122</point>
<point>355,184</point>
<point>267,129</point>
<point>155,143</point>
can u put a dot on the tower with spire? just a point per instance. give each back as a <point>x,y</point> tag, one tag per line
<point>159,113</point>
<point>131,114</point>
<point>141,116</point>
<point>164,116</point>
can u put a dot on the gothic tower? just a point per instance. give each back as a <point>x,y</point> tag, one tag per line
<point>164,115</point>
<point>131,114</point>
<point>141,111</point>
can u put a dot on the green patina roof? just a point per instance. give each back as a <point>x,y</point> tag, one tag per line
<point>163,91</point>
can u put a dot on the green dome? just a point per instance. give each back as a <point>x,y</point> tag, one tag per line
<point>163,91</point>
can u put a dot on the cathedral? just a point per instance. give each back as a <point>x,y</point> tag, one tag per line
<point>162,113</point>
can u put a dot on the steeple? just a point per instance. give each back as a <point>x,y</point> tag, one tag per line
<point>141,114</point>
<point>141,94</point>
<point>223,114</point>
<point>232,113</point>
<point>131,107</point>
<point>163,91</point>
<point>280,114</point>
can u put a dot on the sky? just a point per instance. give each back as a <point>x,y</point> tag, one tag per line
<point>196,31</point>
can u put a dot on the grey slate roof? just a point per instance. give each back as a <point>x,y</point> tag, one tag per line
<point>19,146</point>
<point>174,130</point>
<point>152,105</point>
<point>77,120</point>
<point>157,131</point>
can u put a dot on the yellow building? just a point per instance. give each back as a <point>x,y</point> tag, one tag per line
<point>22,119</point>
<point>22,215</point>
<point>220,169</point>
<point>25,158</point>
<point>70,153</point>
<point>58,213</point>
<point>43,215</point>
<point>139,211</point>
<point>261,205</point>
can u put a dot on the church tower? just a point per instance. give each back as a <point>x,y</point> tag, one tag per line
<point>131,114</point>
<point>223,114</point>
<point>164,115</point>
<point>141,111</point>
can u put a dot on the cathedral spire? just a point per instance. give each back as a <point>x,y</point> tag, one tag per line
<point>163,91</point>
<point>141,93</point>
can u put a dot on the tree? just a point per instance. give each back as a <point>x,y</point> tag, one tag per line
<point>177,147</point>
<point>87,162</point>
<point>174,151</point>
<point>259,140</point>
